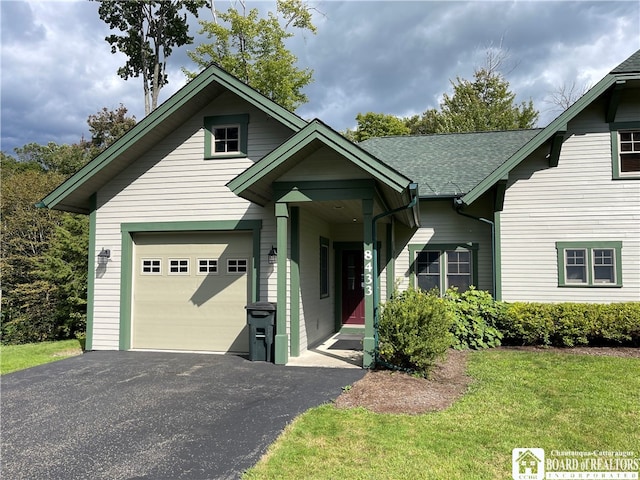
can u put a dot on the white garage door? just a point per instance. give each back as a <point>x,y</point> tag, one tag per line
<point>190,290</point>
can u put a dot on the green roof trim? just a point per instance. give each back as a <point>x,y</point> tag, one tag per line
<point>188,93</point>
<point>627,70</point>
<point>316,131</point>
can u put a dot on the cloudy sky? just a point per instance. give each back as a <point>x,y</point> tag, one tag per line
<point>382,56</point>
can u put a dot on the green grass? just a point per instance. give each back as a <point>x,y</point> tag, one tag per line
<point>19,357</point>
<point>518,399</point>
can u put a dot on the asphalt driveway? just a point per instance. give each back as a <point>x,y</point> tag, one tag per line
<point>135,415</point>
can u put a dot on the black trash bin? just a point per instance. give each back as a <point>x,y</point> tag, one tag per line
<point>261,317</point>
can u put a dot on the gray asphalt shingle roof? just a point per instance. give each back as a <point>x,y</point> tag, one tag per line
<point>448,164</point>
<point>630,65</point>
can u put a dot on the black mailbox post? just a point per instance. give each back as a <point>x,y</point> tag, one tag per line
<point>261,321</point>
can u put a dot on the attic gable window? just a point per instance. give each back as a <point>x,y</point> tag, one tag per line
<point>625,150</point>
<point>226,136</point>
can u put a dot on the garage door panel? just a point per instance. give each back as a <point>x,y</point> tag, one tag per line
<point>190,309</point>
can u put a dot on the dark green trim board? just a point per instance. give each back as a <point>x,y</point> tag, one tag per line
<point>556,146</point>
<point>391,259</point>
<point>316,191</point>
<point>126,289</point>
<point>615,128</point>
<point>614,101</point>
<point>282,338</point>
<point>368,344</point>
<point>91,275</point>
<point>295,283</point>
<point>242,120</point>
<point>442,247</point>
<point>497,255</point>
<point>589,246</point>
<point>126,275</point>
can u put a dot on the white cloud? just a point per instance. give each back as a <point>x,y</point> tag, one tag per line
<point>392,57</point>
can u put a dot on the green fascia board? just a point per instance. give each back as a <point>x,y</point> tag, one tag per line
<point>212,73</point>
<point>557,125</point>
<point>317,130</point>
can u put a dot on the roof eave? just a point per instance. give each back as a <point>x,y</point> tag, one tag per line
<point>560,123</point>
<point>315,131</point>
<point>213,73</point>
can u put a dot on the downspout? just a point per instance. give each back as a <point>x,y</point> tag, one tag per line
<point>413,194</point>
<point>458,205</point>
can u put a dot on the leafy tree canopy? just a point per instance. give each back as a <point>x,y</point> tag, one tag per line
<point>253,49</point>
<point>151,28</point>
<point>44,252</point>
<point>377,125</point>
<point>486,103</point>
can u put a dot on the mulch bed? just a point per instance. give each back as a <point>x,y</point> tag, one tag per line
<point>383,391</point>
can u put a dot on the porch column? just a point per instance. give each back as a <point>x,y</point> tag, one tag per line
<point>281,338</point>
<point>368,349</point>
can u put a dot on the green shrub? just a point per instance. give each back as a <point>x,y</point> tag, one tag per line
<point>413,330</point>
<point>475,314</point>
<point>571,324</point>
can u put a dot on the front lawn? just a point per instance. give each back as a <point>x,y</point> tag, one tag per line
<point>518,399</point>
<point>19,357</point>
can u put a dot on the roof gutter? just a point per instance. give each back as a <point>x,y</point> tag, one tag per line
<point>414,198</point>
<point>458,205</point>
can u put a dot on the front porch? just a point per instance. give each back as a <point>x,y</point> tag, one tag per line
<point>341,350</point>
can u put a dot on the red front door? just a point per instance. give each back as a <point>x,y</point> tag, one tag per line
<point>352,287</point>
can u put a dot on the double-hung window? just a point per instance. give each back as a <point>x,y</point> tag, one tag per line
<point>589,264</point>
<point>442,267</point>
<point>226,136</point>
<point>625,150</point>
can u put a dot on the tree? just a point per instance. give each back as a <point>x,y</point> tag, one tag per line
<point>253,49</point>
<point>486,103</point>
<point>151,28</point>
<point>566,95</point>
<point>376,125</point>
<point>44,252</point>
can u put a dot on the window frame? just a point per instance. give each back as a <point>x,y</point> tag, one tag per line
<point>615,129</point>
<point>443,249</point>
<point>324,267</point>
<point>226,121</point>
<point>208,266</point>
<point>151,259</point>
<point>179,265</point>
<point>589,247</point>
<point>238,265</point>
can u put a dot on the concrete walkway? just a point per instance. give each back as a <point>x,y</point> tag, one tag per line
<point>137,415</point>
<point>341,350</point>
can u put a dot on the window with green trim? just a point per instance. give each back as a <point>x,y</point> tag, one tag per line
<point>589,264</point>
<point>625,150</point>
<point>444,266</point>
<point>324,267</point>
<point>629,151</point>
<point>226,136</point>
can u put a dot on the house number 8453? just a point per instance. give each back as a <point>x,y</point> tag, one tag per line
<point>368,272</point>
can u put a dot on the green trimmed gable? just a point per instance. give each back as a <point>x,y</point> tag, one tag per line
<point>74,194</point>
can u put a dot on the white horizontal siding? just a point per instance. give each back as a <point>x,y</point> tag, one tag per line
<point>442,225</point>
<point>316,314</point>
<point>173,182</point>
<point>325,164</point>
<point>575,201</point>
